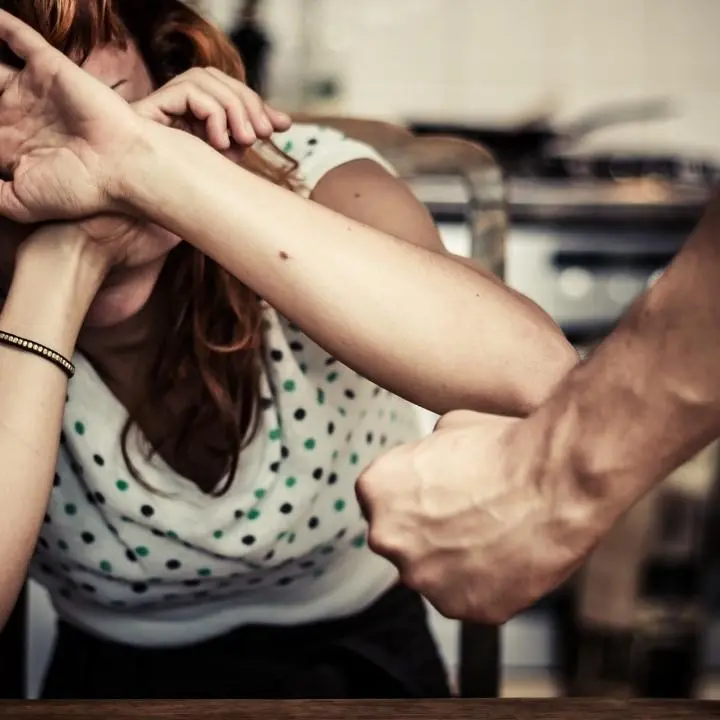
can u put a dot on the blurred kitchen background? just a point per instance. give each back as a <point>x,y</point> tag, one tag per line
<point>602,120</point>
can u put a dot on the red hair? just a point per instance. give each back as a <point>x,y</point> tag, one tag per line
<point>212,338</point>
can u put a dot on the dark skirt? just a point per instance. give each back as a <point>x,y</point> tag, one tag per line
<point>387,651</point>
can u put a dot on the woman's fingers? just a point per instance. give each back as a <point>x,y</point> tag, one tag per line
<point>20,38</point>
<point>277,119</point>
<point>7,75</point>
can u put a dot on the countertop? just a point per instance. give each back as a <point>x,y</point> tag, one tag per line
<point>556,709</point>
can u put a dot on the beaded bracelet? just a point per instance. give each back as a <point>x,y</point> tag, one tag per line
<point>37,349</point>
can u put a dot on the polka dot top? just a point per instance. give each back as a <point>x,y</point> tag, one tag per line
<point>285,545</point>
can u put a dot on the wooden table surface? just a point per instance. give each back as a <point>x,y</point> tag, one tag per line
<point>559,709</point>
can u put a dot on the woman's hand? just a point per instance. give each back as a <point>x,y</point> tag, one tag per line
<point>219,108</point>
<point>64,136</point>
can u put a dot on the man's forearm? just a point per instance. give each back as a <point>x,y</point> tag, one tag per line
<point>647,399</point>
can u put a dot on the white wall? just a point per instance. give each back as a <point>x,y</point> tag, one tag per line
<point>499,59</point>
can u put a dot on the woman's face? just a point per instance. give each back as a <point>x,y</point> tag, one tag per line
<point>127,290</point>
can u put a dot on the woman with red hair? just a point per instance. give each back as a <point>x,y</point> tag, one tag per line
<point>247,312</point>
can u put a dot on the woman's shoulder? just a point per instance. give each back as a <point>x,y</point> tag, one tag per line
<point>318,149</point>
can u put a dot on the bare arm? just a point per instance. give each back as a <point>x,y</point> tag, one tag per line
<point>648,398</point>
<point>50,293</point>
<point>386,300</point>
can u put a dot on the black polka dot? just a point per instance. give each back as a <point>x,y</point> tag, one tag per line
<point>130,555</point>
<point>147,511</point>
<point>239,514</point>
<point>286,508</point>
<point>99,498</point>
<point>276,355</point>
<point>376,391</point>
<point>300,414</point>
<point>266,403</point>
<point>307,564</point>
<point>284,452</point>
<point>47,520</point>
<point>90,498</point>
<point>350,394</point>
<point>173,564</point>
<point>331,428</point>
<point>76,467</point>
<point>369,438</point>
<point>191,583</point>
<point>330,361</point>
<point>313,522</point>
<point>270,555</point>
<point>188,545</point>
<point>56,480</point>
<point>139,588</point>
<point>113,529</point>
<point>126,519</point>
<point>284,581</point>
<point>332,478</point>
<point>47,569</point>
<point>327,550</point>
<point>383,440</point>
<point>42,542</point>
<point>312,141</point>
<point>318,473</point>
<point>88,588</point>
<point>157,533</point>
<point>88,538</point>
<point>249,540</point>
<point>341,534</point>
<point>99,460</point>
<point>62,438</point>
<point>296,346</point>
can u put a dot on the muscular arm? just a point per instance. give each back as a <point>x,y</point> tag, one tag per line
<point>386,300</point>
<point>647,399</point>
<point>50,293</point>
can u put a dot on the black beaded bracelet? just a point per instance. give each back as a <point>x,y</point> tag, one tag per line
<point>37,349</point>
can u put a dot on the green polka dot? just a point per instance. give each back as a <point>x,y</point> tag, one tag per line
<point>303,368</point>
<point>289,386</point>
<point>204,572</point>
<point>79,428</point>
<point>359,541</point>
<point>342,411</point>
<point>63,545</point>
<point>393,416</point>
<point>275,434</point>
<point>259,493</point>
<point>321,396</point>
<point>288,146</point>
<point>336,454</point>
<point>122,485</point>
<point>332,376</point>
<point>318,572</point>
<point>218,534</point>
<point>339,505</point>
<point>291,482</point>
<point>142,551</point>
<point>253,514</point>
<point>310,444</point>
<point>172,535</point>
<point>281,535</point>
<point>105,566</point>
<point>291,538</point>
<point>71,509</point>
<point>354,458</point>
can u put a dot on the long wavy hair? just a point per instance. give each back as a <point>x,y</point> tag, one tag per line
<point>212,340</point>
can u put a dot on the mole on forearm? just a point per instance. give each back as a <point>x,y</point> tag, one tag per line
<point>283,255</point>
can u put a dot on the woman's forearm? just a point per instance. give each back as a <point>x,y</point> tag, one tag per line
<point>51,290</point>
<point>414,321</point>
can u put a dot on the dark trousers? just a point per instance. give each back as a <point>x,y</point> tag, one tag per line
<point>386,651</point>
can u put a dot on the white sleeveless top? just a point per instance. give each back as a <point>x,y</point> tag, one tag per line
<point>285,545</point>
